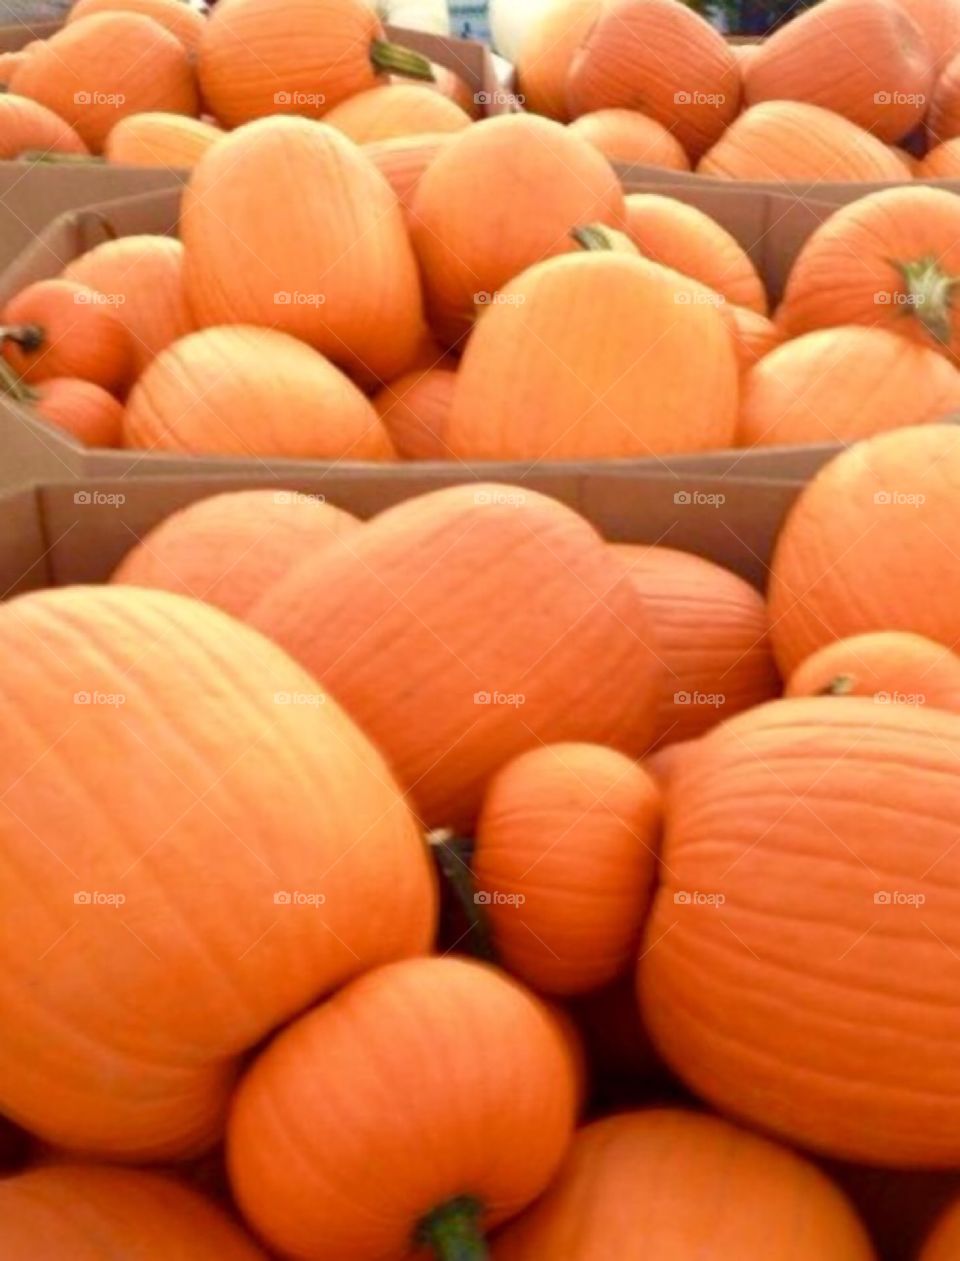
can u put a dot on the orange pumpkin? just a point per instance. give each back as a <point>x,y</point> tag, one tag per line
<point>626,136</point>
<point>939,23</point>
<point>503,195</point>
<point>513,625</point>
<point>398,109</point>
<point>26,126</point>
<point>262,57</point>
<point>144,276</point>
<point>665,1184</point>
<point>415,410</point>
<point>942,162</point>
<point>87,411</point>
<point>324,247</point>
<point>943,118</point>
<point>871,544</point>
<point>843,384</point>
<point>402,161</point>
<point>160,139</point>
<point>709,630</point>
<point>581,357</point>
<point>864,59</point>
<point>889,258</point>
<point>664,760</point>
<point>179,18</point>
<point>753,335</point>
<point>546,49</point>
<point>97,70</point>
<point>888,667</point>
<point>943,1242</point>
<point>55,328</point>
<point>662,59</point>
<point>795,141</point>
<point>241,390</point>
<point>564,864</point>
<point>230,548</point>
<point>371,1178</point>
<point>688,240</point>
<point>91,1212</point>
<point>795,970</point>
<point>254,853</point>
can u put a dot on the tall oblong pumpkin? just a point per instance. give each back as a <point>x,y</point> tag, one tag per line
<point>286,224</point>
<point>158,920</point>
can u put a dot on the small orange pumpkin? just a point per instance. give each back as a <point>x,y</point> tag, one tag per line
<point>87,411</point>
<point>415,410</point>
<point>546,49</point>
<point>26,126</point>
<point>753,335</point>
<point>564,864</point>
<point>889,667</point>
<point>398,109</point>
<point>179,18</point>
<point>160,139</point>
<point>402,161</point>
<point>631,138</point>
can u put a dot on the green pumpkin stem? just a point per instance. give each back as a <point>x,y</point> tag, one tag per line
<point>593,236</point>
<point>393,59</point>
<point>842,685</point>
<point>453,856</point>
<point>929,295</point>
<point>453,1231</point>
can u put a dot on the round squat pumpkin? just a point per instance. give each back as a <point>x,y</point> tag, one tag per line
<point>228,549</point>
<point>164,140</point>
<point>96,1213</point>
<point>799,964</point>
<point>564,863</point>
<point>196,843</point>
<point>465,626</point>
<point>631,138</point>
<point>426,1102</point>
<point>888,667</point>
<point>397,109</point>
<point>666,1185</point>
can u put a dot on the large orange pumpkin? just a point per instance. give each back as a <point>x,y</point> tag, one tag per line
<point>415,411</point>
<point>286,224</point>
<point>503,195</point>
<point>864,59</point>
<point>688,240</point>
<point>230,548</point>
<point>397,109</point>
<point>939,22</point>
<point>889,258</point>
<point>564,864</point>
<point>252,855</point>
<point>492,619</point>
<point>677,1186</point>
<point>799,963</point>
<point>871,544</point>
<point>160,139</point>
<point>26,126</point>
<point>842,384</point>
<point>144,276</point>
<point>403,160</point>
<point>241,390</point>
<point>943,1242</point>
<point>93,1212</point>
<point>583,357</point>
<point>795,141</point>
<point>888,667</point>
<point>545,52</point>
<point>427,1101</point>
<point>100,69</point>
<point>632,138</point>
<point>87,411</point>
<point>261,57</point>
<point>179,18</point>
<point>660,58</point>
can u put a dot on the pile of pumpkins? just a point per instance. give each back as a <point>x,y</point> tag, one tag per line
<point>675,821</point>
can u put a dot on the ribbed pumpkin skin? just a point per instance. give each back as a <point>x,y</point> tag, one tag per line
<point>229,797</point>
<point>419,1083</point>
<point>504,195</point>
<point>943,119</point>
<point>91,1213</point>
<point>890,667</point>
<point>261,57</point>
<point>160,139</point>
<point>397,109</point>
<point>864,59</point>
<point>505,622</point>
<point>871,544</point>
<point>147,272</point>
<point>943,1243</point>
<point>581,356</point>
<point>794,140</point>
<point>711,636</point>
<point>87,411</point>
<point>662,59</point>
<point>939,23</point>
<point>851,259</point>
<point>545,52</point>
<point>228,549</point>
<point>240,390</point>
<point>570,832</point>
<point>753,335</point>
<point>97,70</point>
<point>624,135</point>
<point>415,411</point>
<point>817,1000</point>
<point>402,161</point>
<point>688,240</point>
<point>179,18</point>
<point>667,1185</point>
<point>26,125</point>
<point>310,218</point>
<point>843,384</point>
<point>942,162</point>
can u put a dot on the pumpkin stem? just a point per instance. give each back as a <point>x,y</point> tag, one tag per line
<point>929,295</point>
<point>26,336</point>
<point>453,1232</point>
<point>393,59</point>
<point>11,385</point>
<point>453,855</point>
<point>842,685</point>
<point>594,236</point>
